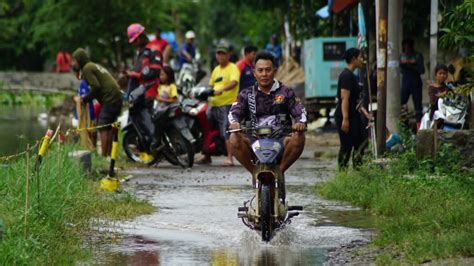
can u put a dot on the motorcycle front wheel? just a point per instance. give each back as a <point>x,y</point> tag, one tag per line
<point>265,213</point>
<point>132,147</point>
<point>180,148</point>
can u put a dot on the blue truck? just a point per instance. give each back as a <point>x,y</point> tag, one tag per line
<point>322,65</point>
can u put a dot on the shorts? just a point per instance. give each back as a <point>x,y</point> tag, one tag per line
<point>109,113</point>
<point>217,115</point>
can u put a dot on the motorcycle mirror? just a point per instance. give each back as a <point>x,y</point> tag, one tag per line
<point>451,69</point>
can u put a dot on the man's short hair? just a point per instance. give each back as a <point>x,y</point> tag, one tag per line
<point>350,54</point>
<point>408,41</point>
<point>265,55</point>
<point>250,48</point>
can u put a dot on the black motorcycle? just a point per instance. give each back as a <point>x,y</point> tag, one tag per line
<point>175,141</point>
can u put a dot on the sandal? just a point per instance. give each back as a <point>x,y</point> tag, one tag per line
<point>204,160</point>
<point>228,163</point>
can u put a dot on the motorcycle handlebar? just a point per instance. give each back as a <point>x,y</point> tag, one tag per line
<point>249,129</point>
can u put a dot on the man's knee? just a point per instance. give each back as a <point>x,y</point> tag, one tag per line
<point>237,141</point>
<point>297,140</point>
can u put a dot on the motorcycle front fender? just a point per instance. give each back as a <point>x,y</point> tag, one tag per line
<point>180,124</point>
<point>128,127</point>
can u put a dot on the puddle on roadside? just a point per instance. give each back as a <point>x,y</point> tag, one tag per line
<point>196,225</point>
<point>349,218</point>
<point>196,222</point>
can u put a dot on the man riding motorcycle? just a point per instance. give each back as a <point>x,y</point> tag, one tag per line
<point>267,103</point>
<point>145,72</point>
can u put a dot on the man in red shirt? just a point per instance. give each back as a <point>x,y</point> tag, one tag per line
<point>63,62</point>
<point>245,66</point>
<point>162,45</point>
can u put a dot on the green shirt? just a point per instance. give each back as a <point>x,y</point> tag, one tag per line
<point>103,86</point>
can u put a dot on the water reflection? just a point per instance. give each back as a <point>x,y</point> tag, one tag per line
<point>196,222</point>
<point>196,225</point>
<point>19,126</point>
<point>135,250</point>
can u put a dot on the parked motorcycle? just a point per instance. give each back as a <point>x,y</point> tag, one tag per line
<point>267,211</point>
<point>175,140</point>
<point>207,136</point>
<point>189,76</point>
<point>452,109</point>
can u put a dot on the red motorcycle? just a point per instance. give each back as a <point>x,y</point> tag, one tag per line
<point>195,106</point>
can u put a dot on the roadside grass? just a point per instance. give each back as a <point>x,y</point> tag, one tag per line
<point>62,224</point>
<point>425,209</point>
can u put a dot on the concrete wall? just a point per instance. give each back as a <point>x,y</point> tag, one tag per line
<point>38,81</point>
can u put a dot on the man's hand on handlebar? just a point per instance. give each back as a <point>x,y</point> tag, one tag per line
<point>299,127</point>
<point>234,125</point>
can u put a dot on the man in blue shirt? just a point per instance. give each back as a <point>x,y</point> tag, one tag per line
<point>274,48</point>
<point>188,51</point>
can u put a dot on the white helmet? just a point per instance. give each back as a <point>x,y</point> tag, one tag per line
<point>190,35</point>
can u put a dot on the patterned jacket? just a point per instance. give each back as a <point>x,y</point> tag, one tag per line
<point>269,107</point>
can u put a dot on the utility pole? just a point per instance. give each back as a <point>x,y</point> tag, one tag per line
<point>382,11</point>
<point>393,66</point>
<point>433,37</point>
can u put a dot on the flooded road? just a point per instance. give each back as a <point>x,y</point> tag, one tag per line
<point>196,219</point>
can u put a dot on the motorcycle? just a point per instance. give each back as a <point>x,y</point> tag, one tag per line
<point>452,107</point>
<point>267,211</point>
<point>175,140</point>
<point>207,137</point>
<point>189,76</point>
<point>451,113</point>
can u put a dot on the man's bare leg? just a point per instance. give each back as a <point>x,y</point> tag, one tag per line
<point>105,139</point>
<point>241,149</point>
<point>228,145</point>
<point>294,146</point>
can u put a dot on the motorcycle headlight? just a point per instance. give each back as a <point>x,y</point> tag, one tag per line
<point>264,131</point>
<point>193,111</point>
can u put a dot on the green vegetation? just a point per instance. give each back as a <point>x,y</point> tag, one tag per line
<point>62,224</point>
<point>458,29</point>
<point>30,98</point>
<point>425,208</point>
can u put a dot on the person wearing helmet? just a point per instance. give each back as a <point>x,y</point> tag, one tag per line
<point>145,72</point>
<point>104,89</point>
<point>188,51</point>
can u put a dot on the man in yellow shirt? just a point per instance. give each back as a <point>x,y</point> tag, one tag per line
<point>225,82</point>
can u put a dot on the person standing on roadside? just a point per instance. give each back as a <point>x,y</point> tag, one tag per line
<point>224,81</point>
<point>246,67</point>
<point>412,67</point>
<point>63,62</point>
<point>275,48</point>
<point>188,51</point>
<point>348,120</point>
<point>162,45</point>
<point>104,89</point>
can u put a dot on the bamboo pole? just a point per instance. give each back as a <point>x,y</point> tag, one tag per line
<point>27,192</point>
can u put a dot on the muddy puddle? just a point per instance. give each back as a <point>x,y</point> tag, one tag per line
<point>196,220</point>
